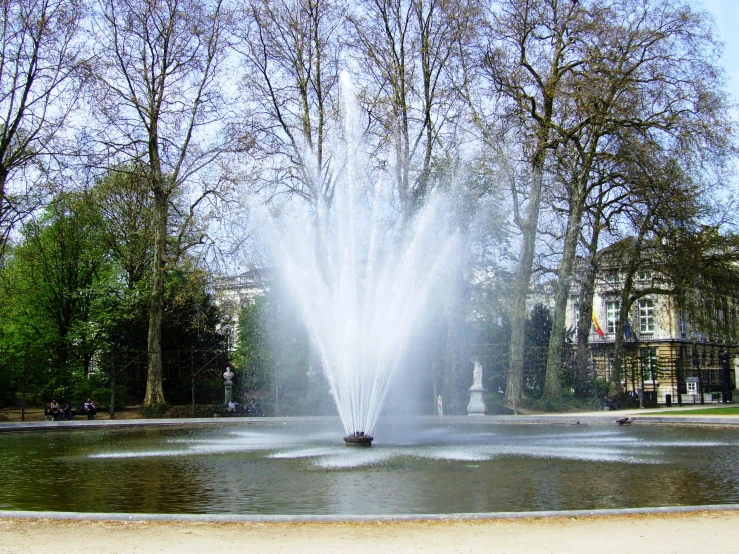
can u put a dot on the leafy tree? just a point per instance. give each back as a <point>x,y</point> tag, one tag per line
<point>160,104</point>
<point>538,331</point>
<point>53,279</point>
<point>273,359</point>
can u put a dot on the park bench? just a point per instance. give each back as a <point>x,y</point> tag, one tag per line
<point>48,416</point>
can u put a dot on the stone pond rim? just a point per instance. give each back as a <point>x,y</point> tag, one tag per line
<point>358,439</point>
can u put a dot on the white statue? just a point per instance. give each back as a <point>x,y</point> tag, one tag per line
<point>228,375</point>
<point>476,374</point>
<point>476,407</point>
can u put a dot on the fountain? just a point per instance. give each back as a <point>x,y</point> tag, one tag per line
<point>451,465</point>
<point>362,283</point>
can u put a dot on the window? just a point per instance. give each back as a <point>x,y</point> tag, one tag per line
<point>645,275</point>
<point>649,364</point>
<point>612,277</point>
<point>646,315</point>
<point>576,310</point>
<point>612,309</point>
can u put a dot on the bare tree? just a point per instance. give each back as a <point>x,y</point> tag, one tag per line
<point>653,81</point>
<point>290,53</point>
<point>160,104</point>
<point>40,62</point>
<point>408,53</point>
<point>530,49</point>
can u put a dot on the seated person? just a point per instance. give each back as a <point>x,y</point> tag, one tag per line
<point>253,406</point>
<point>90,409</point>
<point>232,407</point>
<point>67,412</point>
<point>55,410</point>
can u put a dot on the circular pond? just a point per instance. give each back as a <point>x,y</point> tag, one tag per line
<point>306,469</point>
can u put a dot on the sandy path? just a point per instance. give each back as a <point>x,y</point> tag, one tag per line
<point>696,532</point>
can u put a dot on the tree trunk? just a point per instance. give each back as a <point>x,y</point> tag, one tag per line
<point>3,208</point>
<point>618,348</point>
<point>552,382</point>
<point>154,393</point>
<point>514,384</point>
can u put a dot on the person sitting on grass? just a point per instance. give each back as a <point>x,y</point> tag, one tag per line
<point>67,412</point>
<point>90,409</point>
<point>54,410</point>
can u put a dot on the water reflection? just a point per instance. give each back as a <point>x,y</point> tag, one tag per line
<point>306,469</point>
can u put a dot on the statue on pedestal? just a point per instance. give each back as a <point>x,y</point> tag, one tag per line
<point>228,384</point>
<point>476,373</point>
<point>477,402</point>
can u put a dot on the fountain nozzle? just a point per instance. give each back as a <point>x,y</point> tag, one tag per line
<point>358,439</point>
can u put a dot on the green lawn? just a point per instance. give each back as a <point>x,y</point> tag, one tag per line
<point>706,412</point>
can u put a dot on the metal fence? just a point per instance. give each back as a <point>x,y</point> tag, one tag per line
<point>669,374</point>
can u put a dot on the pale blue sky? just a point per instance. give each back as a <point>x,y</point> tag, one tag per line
<point>726,16</point>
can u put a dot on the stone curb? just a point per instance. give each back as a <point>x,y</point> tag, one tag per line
<point>575,419</point>
<point>238,518</point>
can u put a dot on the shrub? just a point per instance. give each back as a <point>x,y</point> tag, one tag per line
<point>155,411</point>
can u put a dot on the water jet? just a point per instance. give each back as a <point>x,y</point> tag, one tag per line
<point>362,277</point>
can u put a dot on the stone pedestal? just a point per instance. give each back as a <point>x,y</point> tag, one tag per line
<point>476,407</point>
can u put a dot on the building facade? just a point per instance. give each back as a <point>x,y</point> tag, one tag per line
<point>664,355</point>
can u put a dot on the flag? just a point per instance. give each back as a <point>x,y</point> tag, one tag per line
<point>597,327</point>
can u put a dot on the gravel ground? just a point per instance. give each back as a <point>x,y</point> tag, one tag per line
<point>691,532</point>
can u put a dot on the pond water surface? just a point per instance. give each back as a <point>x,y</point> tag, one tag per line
<point>306,469</point>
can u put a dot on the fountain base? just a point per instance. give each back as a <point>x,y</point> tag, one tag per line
<point>358,439</point>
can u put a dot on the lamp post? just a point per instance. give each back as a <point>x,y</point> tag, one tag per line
<point>725,380</point>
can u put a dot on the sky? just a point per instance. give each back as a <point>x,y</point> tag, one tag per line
<point>726,16</point>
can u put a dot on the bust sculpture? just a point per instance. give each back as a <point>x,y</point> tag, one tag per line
<point>228,375</point>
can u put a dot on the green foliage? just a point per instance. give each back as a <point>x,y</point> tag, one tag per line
<point>537,330</point>
<point>567,403</point>
<point>154,411</point>
<point>77,290</point>
<point>273,360</point>
<point>706,412</point>
<point>179,412</point>
<point>494,404</point>
<point>255,352</point>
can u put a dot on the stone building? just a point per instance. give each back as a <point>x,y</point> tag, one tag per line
<point>664,353</point>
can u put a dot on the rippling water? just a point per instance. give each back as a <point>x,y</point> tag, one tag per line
<point>306,469</point>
